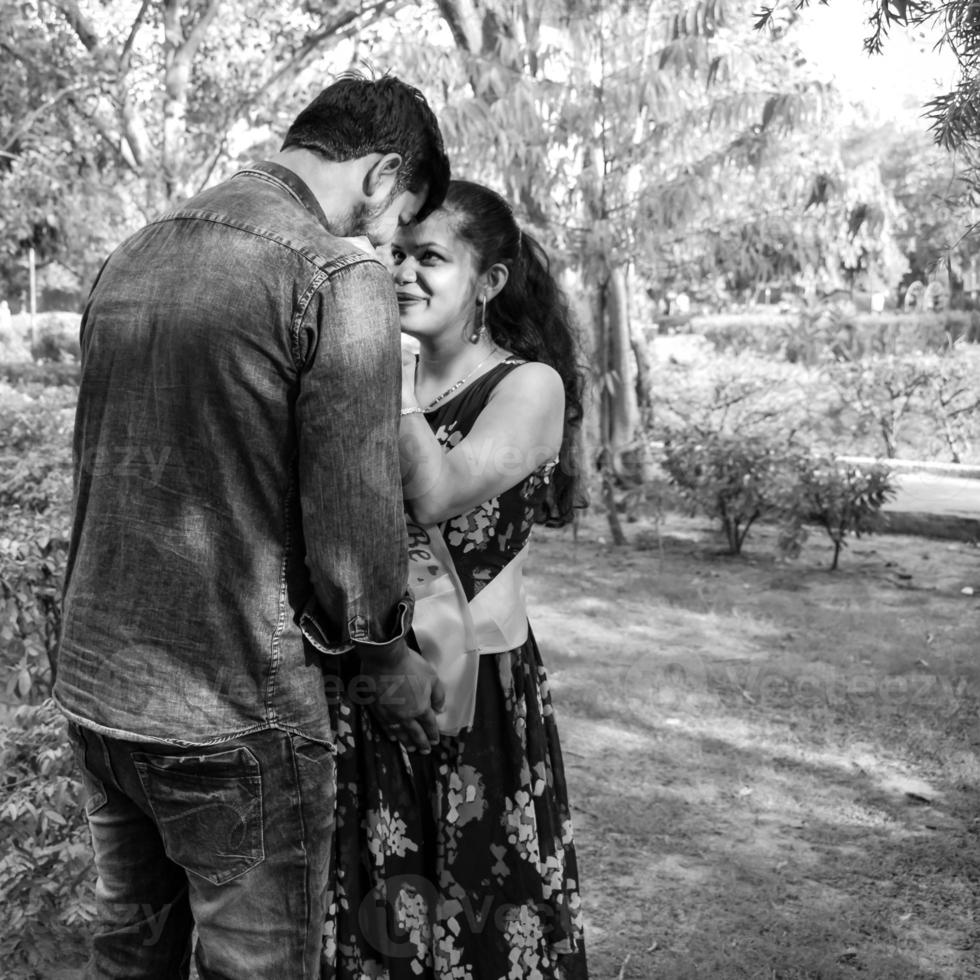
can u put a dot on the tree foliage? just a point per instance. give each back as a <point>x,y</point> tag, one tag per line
<point>954,115</point>
<point>111,111</point>
<point>618,132</point>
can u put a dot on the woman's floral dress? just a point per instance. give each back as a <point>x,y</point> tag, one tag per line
<point>460,865</point>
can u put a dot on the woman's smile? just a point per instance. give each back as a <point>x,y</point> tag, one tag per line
<point>436,278</point>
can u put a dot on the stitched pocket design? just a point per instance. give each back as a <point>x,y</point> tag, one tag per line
<point>208,808</point>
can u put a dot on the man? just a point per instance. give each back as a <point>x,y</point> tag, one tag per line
<point>238,517</point>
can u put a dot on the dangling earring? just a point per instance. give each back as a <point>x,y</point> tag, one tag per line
<point>474,337</point>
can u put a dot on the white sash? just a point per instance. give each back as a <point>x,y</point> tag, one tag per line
<point>452,632</point>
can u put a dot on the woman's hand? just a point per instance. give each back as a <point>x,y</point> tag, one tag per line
<point>410,350</point>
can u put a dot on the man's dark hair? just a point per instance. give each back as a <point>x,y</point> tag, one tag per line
<point>356,116</point>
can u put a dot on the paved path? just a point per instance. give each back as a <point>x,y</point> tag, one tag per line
<point>930,493</point>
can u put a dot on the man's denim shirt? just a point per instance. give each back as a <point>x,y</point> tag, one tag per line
<point>238,510</point>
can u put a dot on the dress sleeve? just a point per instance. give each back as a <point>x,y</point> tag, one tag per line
<point>349,477</point>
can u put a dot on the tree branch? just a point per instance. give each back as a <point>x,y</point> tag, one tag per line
<point>79,23</point>
<point>127,49</point>
<point>28,122</point>
<point>112,140</point>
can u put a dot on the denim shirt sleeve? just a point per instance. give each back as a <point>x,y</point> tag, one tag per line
<point>347,345</point>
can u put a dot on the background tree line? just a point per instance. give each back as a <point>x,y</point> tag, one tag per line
<point>668,145</point>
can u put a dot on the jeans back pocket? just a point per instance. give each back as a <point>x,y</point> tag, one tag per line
<point>208,808</point>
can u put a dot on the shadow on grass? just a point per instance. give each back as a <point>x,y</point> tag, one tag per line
<point>768,782</point>
<point>736,862</point>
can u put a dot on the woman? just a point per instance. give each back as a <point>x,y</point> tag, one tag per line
<point>459,864</point>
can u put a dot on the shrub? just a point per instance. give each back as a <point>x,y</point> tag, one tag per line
<point>739,479</point>
<point>54,337</point>
<point>34,416</point>
<point>761,333</point>
<point>881,393</point>
<point>896,334</point>
<point>843,499</point>
<point>732,477</point>
<point>43,375</point>
<point>13,346</point>
<point>35,505</point>
<point>32,567</point>
<point>743,393</point>
<point>951,401</point>
<point>46,873</point>
<point>807,337</point>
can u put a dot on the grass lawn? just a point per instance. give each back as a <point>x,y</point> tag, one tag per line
<point>775,768</point>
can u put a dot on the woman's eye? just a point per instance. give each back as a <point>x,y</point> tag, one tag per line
<point>431,258</point>
<point>398,256</point>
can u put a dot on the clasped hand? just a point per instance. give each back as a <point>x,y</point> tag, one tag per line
<point>409,695</point>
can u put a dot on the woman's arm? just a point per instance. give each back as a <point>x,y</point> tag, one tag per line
<point>519,429</point>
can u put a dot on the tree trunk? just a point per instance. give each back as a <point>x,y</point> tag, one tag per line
<point>620,411</point>
<point>181,43</point>
<point>612,514</point>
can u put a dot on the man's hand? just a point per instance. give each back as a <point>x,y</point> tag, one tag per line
<point>408,695</point>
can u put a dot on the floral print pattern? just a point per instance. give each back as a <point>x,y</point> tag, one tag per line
<point>473,529</point>
<point>460,865</point>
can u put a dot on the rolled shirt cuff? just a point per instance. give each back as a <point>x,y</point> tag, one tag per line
<point>357,634</point>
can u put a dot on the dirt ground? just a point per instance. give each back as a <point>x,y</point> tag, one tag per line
<point>775,768</point>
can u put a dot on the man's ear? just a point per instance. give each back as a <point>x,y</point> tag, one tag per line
<point>381,175</point>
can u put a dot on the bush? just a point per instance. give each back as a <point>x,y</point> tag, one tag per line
<point>57,347</point>
<point>13,346</point>
<point>54,338</point>
<point>813,334</point>
<point>881,394</point>
<point>843,499</point>
<point>50,373</point>
<point>741,393</point>
<point>734,478</point>
<point>35,514</point>
<point>32,568</point>
<point>46,871</point>
<point>924,407</point>
<point>951,398</point>
<point>761,333</point>
<point>739,479</point>
<point>906,333</point>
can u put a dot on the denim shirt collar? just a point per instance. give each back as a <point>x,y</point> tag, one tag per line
<point>291,183</point>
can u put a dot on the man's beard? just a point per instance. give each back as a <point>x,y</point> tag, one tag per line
<point>361,219</point>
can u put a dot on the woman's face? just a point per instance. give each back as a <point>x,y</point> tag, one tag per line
<point>436,278</point>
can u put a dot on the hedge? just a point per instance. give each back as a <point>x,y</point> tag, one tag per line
<point>807,337</point>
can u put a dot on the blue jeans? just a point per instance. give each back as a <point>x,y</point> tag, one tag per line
<point>231,839</point>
